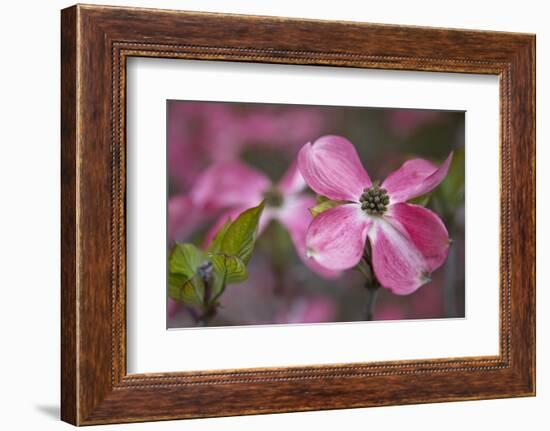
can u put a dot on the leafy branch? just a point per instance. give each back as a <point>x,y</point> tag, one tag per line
<point>197,278</point>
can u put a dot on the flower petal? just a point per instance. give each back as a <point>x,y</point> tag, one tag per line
<point>336,238</point>
<point>183,217</point>
<point>415,178</point>
<point>397,263</point>
<point>425,229</point>
<point>227,184</point>
<point>331,167</point>
<point>292,181</point>
<point>296,218</point>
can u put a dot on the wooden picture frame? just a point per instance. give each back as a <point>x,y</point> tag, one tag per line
<point>96,41</point>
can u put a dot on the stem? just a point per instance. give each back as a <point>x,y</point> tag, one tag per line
<point>202,321</point>
<point>371,283</point>
<point>205,317</point>
<point>209,310</point>
<point>372,294</point>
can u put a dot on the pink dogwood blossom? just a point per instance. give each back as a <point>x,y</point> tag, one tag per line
<point>234,186</point>
<point>408,242</point>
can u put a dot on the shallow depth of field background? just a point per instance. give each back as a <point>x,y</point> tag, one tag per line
<point>280,288</point>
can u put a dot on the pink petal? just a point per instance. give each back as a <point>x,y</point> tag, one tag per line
<point>398,264</point>
<point>292,181</point>
<point>336,238</point>
<point>296,218</point>
<point>426,230</point>
<point>415,178</point>
<point>227,184</point>
<point>183,217</point>
<point>331,167</point>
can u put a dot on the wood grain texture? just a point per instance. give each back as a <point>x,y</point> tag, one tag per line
<point>69,397</point>
<point>96,41</point>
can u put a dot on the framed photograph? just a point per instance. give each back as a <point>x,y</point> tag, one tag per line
<point>329,214</point>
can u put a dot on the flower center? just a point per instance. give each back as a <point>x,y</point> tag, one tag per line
<point>273,198</point>
<point>374,200</point>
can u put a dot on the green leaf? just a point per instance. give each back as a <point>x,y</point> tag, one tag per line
<point>185,259</point>
<point>216,244</point>
<point>184,284</point>
<point>227,270</point>
<point>193,281</point>
<point>189,292</point>
<point>219,277</point>
<point>236,270</point>
<point>240,236</point>
<point>323,204</point>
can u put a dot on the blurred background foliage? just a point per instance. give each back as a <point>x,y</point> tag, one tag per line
<point>280,288</point>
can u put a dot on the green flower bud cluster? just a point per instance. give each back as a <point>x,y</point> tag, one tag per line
<point>374,200</point>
